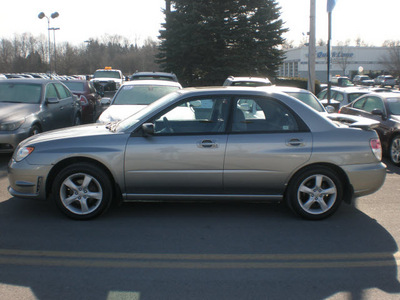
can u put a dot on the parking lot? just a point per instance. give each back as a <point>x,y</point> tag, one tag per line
<point>201,251</point>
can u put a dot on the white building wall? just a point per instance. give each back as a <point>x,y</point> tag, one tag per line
<point>345,60</point>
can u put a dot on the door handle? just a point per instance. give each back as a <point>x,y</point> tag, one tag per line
<point>207,144</point>
<point>295,143</point>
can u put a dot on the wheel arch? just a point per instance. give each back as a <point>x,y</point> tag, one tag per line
<point>68,161</point>
<point>347,188</point>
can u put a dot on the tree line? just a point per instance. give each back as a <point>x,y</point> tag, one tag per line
<point>28,53</point>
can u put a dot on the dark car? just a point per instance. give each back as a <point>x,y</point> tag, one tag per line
<point>88,97</point>
<point>154,75</point>
<point>30,106</point>
<point>385,108</point>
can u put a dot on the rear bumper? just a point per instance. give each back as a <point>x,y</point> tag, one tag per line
<point>366,178</point>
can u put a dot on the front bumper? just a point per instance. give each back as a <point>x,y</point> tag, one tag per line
<point>27,181</point>
<point>9,140</point>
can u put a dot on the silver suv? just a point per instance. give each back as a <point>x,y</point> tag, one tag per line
<point>385,80</point>
<point>247,81</point>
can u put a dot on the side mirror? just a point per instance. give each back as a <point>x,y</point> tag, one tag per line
<point>148,129</point>
<point>378,112</point>
<point>105,101</point>
<point>52,100</point>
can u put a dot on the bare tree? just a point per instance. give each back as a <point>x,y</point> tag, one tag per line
<point>391,60</point>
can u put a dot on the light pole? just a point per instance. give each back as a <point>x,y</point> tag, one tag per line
<point>54,15</point>
<point>55,49</point>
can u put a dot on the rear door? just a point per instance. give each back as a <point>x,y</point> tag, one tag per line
<point>266,144</point>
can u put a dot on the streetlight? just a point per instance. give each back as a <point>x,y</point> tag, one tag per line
<point>55,52</point>
<point>54,15</point>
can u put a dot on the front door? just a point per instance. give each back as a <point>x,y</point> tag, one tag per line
<point>186,153</point>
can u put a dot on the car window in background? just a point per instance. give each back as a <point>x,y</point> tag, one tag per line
<point>249,83</point>
<point>141,95</point>
<point>75,86</point>
<point>373,103</point>
<point>62,91</point>
<point>394,105</point>
<point>308,99</point>
<point>20,93</point>
<point>106,74</point>
<point>354,96</point>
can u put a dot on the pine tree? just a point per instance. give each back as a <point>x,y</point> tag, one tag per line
<point>203,41</point>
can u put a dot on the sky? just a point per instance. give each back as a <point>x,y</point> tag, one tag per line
<point>79,20</point>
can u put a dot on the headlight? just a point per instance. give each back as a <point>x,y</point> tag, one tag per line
<point>10,126</point>
<point>22,153</point>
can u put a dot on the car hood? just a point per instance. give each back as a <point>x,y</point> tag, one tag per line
<point>118,112</point>
<point>16,111</point>
<point>82,131</point>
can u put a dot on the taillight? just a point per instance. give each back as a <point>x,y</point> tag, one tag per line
<point>83,100</point>
<point>376,148</point>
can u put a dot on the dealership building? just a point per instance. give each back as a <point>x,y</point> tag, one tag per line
<point>345,61</point>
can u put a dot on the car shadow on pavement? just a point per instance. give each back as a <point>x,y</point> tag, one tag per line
<point>194,251</point>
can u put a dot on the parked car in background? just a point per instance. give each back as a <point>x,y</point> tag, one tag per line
<point>385,80</point>
<point>135,95</point>
<point>107,79</point>
<point>289,153</point>
<point>385,108</point>
<point>341,96</point>
<point>154,75</point>
<point>341,81</point>
<point>2,76</point>
<point>88,97</point>
<point>31,106</point>
<point>247,81</point>
<point>363,80</point>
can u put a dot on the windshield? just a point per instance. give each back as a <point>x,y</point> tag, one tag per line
<point>130,121</point>
<point>141,94</point>
<point>308,99</point>
<point>20,92</point>
<point>394,105</point>
<point>75,86</point>
<point>106,74</point>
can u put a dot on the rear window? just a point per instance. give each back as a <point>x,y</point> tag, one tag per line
<point>354,96</point>
<point>20,92</point>
<point>142,94</point>
<point>75,86</point>
<point>394,105</point>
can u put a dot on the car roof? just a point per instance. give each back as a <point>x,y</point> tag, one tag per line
<point>250,78</point>
<point>350,89</point>
<point>152,82</point>
<point>29,80</point>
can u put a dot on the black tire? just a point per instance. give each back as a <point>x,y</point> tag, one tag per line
<point>35,129</point>
<point>82,191</point>
<point>394,150</point>
<point>315,193</point>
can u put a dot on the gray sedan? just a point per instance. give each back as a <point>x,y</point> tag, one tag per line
<point>215,150</point>
<point>30,106</point>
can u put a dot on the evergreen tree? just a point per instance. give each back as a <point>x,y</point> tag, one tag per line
<point>205,41</point>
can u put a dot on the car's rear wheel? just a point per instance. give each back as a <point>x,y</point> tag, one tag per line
<point>315,193</point>
<point>82,191</point>
<point>395,150</point>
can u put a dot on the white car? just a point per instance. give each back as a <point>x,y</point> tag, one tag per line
<point>135,95</point>
<point>107,79</point>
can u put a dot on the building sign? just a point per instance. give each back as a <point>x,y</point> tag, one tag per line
<point>335,54</point>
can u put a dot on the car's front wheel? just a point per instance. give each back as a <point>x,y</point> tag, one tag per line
<point>395,150</point>
<point>82,191</point>
<point>315,193</point>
